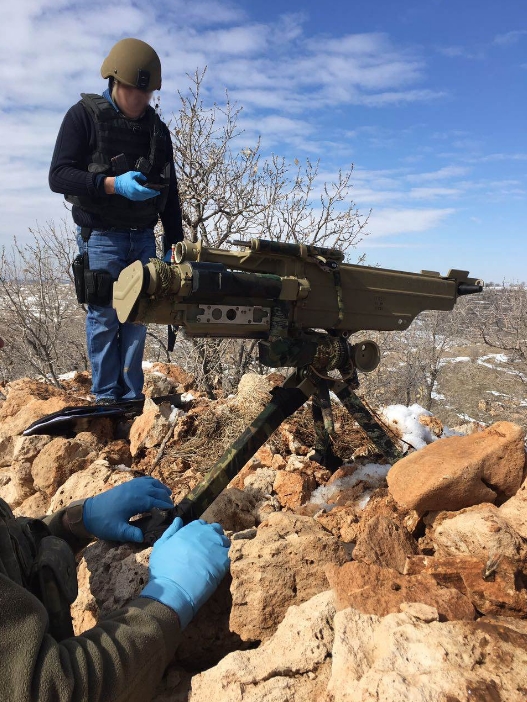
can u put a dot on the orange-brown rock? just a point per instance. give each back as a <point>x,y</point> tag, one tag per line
<point>248,469</point>
<point>375,590</point>
<point>182,380</point>
<point>461,471</point>
<point>35,506</point>
<point>384,541</point>
<point>479,531</point>
<point>264,456</point>
<point>170,470</point>
<point>96,478</point>
<point>278,462</point>
<point>433,423</point>
<point>495,587</point>
<point>342,522</point>
<point>233,509</point>
<point>151,427</point>
<point>293,489</point>
<point>117,453</point>
<point>514,511</point>
<point>282,566</point>
<point>28,400</point>
<point>56,462</point>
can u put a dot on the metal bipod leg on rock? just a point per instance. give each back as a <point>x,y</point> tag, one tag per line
<point>287,399</point>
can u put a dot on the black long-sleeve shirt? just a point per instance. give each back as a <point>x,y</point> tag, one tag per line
<point>68,173</point>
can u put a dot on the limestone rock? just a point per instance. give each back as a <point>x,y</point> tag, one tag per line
<point>283,565</point>
<point>384,541</point>
<point>433,423</point>
<point>108,577</point>
<point>150,428</point>
<point>27,448</point>
<point>479,531</point>
<point>401,658</point>
<point>380,591</point>
<point>117,453</point>
<point>29,400</point>
<point>97,478</point>
<point>514,511</point>
<point>495,587</point>
<point>233,509</point>
<point>461,471</point>
<point>293,489</point>
<point>170,472</point>
<point>260,482</point>
<point>342,522</point>
<point>293,665</point>
<point>35,506</point>
<point>56,462</point>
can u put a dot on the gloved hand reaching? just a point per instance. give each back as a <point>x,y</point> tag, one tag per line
<point>186,566</point>
<point>129,185</point>
<point>106,515</point>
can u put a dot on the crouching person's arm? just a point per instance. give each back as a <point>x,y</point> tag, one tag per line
<point>123,658</point>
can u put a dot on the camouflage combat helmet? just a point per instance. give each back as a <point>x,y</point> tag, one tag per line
<point>133,62</point>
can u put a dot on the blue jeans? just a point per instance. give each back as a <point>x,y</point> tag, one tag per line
<point>116,350</point>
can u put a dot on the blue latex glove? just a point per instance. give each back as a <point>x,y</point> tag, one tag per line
<point>186,566</point>
<point>129,185</point>
<point>106,515</point>
<point>168,256</point>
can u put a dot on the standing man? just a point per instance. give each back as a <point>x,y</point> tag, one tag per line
<point>107,148</point>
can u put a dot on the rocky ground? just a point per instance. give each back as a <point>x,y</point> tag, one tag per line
<point>370,583</point>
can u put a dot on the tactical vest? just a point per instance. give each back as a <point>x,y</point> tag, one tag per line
<point>42,564</point>
<point>125,145</point>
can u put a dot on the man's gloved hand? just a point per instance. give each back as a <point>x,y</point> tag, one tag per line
<point>106,515</point>
<point>186,566</point>
<point>129,185</point>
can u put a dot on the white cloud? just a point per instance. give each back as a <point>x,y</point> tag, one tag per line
<point>509,37</point>
<point>283,77</point>
<point>441,174</point>
<point>391,222</point>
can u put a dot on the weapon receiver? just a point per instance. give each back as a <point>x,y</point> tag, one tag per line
<point>302,302</point>
<point>279,289</point>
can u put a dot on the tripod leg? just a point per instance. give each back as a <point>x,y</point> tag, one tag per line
<point>324,428</point>
<point>285,401</point>
<point>367,421</point>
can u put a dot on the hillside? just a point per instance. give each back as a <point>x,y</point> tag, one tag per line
<point>365,584</point>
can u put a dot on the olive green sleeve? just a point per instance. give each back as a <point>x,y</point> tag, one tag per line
<point>122,659</point>
<point>67,524</point>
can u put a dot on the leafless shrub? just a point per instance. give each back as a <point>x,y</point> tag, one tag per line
<point>41,323</point>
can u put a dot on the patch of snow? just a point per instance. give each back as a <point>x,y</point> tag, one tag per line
<point>466,417</point>
<point>67,376</point>
<point>147,365</point>
<point>437,396</point>
<point>406,421</point>
<point>365,498</point>
<point>499,357</point>
<point>372,474</point>
<point>456,359</point>
<point>175,413</point>
<point>187,396</point>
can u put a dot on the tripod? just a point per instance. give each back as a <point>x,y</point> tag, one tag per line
<point>307,382</point>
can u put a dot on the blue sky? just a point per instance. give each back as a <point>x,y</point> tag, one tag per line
<point>426,98</point>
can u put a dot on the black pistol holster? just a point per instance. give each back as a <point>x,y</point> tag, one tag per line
<point>92,287</point>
